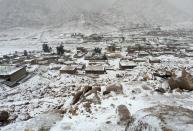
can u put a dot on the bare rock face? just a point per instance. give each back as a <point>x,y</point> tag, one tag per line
<point>117,88</point>
<point>123,114</point>
<point>162,118</point>
<point>4,115</point>
<point>184,82</point>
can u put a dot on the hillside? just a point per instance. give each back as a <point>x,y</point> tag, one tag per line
<point>97,15</point>
<point>128,12</point>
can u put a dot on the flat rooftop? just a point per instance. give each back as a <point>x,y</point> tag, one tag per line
<point>65,68</point>
<point>127,63</point>
<point>8,70</point>
<point>95,68</point>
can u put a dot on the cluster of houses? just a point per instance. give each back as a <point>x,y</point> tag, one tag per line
<point>130,51</point>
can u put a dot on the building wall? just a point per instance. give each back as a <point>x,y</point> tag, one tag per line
<point>68,71</point>
<point>4,77</point>
<point>18,75</point>
<point>126,67</point>
<point>95,72</point>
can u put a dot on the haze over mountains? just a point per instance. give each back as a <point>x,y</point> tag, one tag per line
<point>146,11</point>
<point>95,13</point>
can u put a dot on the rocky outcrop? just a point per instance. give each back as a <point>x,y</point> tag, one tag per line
<point>185,82</point>
<point>123,115</point>
<point>162,118</point>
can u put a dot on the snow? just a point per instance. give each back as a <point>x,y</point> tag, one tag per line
<point>8,70</point>
<point>48,90</point>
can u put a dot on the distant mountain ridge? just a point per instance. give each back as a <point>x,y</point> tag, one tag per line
<point>37,13</point>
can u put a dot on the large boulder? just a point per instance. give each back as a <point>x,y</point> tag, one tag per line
<point>4,115</point>
<point>184,82</point>
<point>123,115</point>
<point>117,88</point>
<point>162,118</point>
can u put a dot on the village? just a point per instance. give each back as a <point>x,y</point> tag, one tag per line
<point>82,77</point>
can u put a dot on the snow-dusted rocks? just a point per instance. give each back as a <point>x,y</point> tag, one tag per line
<point>89,102</point>
<point>81,94</point>
<point>123,115</point>
<point>24,117</point>
<point>184,82</point>
<point>4,115</point>
<point>43,121</point>
<point>162,118</point>
<point>117,88</point>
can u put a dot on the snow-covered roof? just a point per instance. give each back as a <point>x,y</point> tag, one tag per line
<point>8,70</point>
<point>95,68</point>
<point>143,53</point>
<point>127,63</point>
<point>68,68</point>
<point>154,59</point>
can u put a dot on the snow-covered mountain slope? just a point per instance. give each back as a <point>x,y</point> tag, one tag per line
<point>145,11</point>
<point>35,13</point>
<point>97,14</point>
